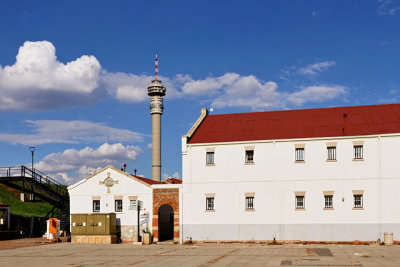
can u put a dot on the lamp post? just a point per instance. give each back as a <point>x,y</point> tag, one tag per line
<point>32,149</point>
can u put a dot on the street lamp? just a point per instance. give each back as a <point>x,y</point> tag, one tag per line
<point>32,149</point>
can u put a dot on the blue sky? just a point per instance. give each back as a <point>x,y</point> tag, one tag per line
<point>73,74</point>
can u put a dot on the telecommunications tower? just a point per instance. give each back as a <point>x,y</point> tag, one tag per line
<point>156,91</point>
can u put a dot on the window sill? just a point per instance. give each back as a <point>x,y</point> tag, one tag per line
<point>249,210</point>
<point>210,210</point>
<point>299,161</point>
<point>249,163</point>
<point>299,209</point>
<point>358,159</point>
<point>358,208</point>
<point>331,160</point>
<point>210,164</point>
<point>328,209</point>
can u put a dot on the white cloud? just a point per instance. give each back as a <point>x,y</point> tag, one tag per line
<point>209,85</point>
<point>387,7</point>
<point>314,69</point>
<point>87,159</point>
<point>233,90</point>
<point>316,94</point>
<point>60,131</point>
<point>175,175</point>
<point>248,91</point>
<point>38,80</point>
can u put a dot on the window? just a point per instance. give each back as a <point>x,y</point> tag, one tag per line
<point>299,154</point>
<point>358,201</point>
<point>331,152</point>
<point>118,205</point>
<point>328,201</point>
<point>358,152</point>
<point>209,203</point>
<point>132,204</point>
<point>249,203</point>
<point>210,158</point>
<point>249,156</point>
<point>96,205</point>
<point>300,202</point>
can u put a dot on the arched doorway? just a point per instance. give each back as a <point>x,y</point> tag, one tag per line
<point>165,223</point>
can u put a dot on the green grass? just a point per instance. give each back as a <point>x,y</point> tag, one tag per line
<point>11,197</point>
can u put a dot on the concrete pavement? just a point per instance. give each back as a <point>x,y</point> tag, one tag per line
<point>67,254</point>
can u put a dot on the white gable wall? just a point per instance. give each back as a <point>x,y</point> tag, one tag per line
<point>82,193</point>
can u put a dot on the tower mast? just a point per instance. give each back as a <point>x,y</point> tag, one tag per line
<point>156,91</point>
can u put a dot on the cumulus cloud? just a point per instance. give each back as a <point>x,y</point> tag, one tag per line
<point>314,69</point>
<point>87,159</point>
<point>209,85</point>
<point>38,80</point>
<point>233,90</point>
<point>316,94</point>
<point>60,131</point>
<point>128,87</point>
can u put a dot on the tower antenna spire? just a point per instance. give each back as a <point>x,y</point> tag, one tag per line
<point>156,68</point>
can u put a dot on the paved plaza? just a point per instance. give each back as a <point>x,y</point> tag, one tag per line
<point>67,254</point>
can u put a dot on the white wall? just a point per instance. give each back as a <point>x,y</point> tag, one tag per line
<point>275,177</point>
<point>81,197</point>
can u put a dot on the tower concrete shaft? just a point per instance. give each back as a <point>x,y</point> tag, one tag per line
<point>156,147</point>
<point>156,90</point>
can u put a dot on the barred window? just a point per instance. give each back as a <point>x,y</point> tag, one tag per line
<point>328,201</point>
<point>249,203</point>
<point>118,205</point>
<point>209,203</point>
<point>358,201</point>
<point>358,152</point>
<point>96,205</point>
<point>299,154</point>
<point>331,153</point>
<point>300,202</point>
<point>249,156</point>
<point>210,158</point>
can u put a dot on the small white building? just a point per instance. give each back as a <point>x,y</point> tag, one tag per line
<point>328,174</point>
<point>114,191</point>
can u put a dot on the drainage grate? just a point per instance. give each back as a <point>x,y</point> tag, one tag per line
<point>286,262</point>
<point>323,252</point>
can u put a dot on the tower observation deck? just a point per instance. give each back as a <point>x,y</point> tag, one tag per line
<point>156,90</point>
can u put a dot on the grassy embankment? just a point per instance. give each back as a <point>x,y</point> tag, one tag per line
<point>37,208</point>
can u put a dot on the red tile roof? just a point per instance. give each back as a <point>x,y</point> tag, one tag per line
<point>172,181</point>
<point>150,182</point>
<point>306,123</point>
<point>147,181</point>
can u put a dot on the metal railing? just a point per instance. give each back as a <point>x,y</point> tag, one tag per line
<point>43,179</point>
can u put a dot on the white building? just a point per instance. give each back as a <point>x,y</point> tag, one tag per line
<point>319,175</point>
<point>114,191</point>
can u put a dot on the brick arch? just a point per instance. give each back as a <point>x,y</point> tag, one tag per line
<point>168,196</point>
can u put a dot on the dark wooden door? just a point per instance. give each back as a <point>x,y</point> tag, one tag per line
<point>165,223</point>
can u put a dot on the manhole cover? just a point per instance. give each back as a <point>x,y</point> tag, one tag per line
<point>323,252</point>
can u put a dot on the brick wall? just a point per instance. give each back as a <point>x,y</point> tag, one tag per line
<point>168,196</point>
